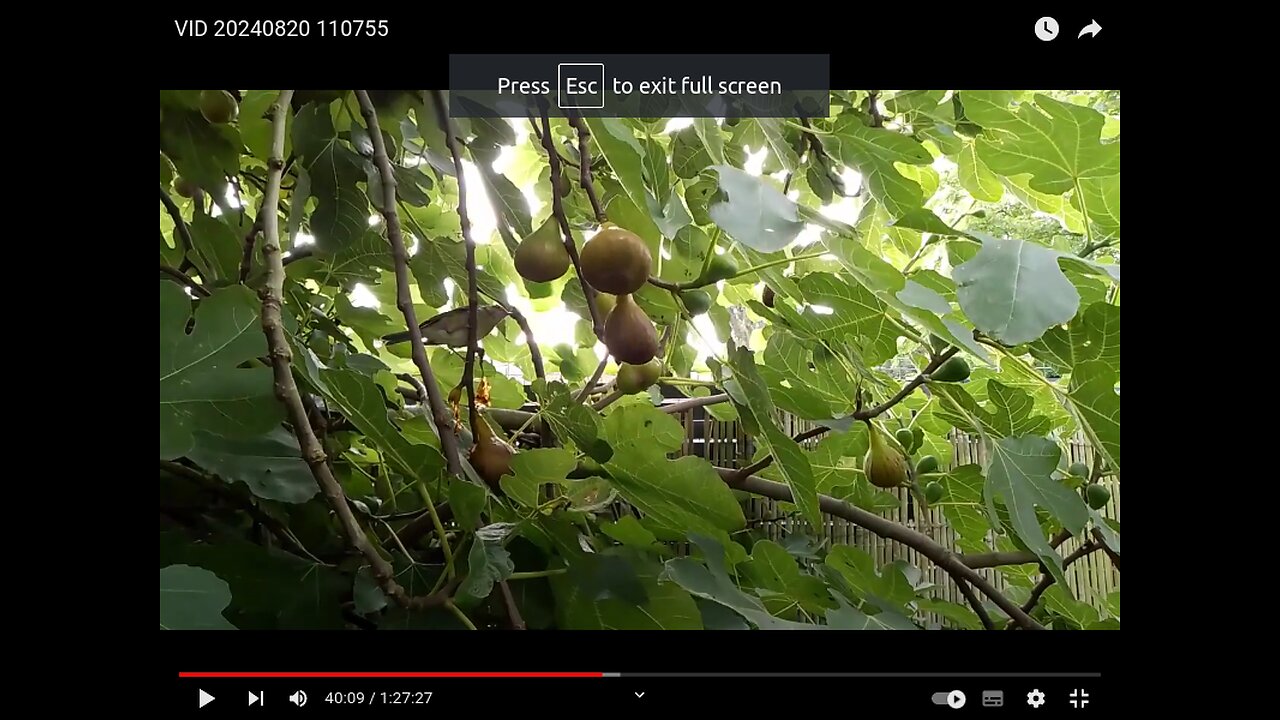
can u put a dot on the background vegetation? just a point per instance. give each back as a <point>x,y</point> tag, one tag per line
<point>313,476</point>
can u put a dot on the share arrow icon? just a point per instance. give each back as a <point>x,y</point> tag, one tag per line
<point>1092,29</point>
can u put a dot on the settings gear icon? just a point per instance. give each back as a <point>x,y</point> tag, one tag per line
<point>1035,698</point>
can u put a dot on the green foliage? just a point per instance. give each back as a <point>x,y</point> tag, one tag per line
<point>990,223</point>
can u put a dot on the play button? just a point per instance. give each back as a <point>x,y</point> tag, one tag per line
<point>254,698</point>
<point>205,698</point>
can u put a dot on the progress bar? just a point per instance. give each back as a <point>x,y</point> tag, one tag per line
<point>357,675</point>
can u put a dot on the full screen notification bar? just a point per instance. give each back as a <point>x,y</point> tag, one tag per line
<point>640,85</point>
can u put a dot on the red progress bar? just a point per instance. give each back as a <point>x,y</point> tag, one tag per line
<point>390,674</point>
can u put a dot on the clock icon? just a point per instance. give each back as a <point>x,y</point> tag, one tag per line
<point>1046,28</point>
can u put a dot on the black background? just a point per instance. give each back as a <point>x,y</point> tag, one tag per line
<point>953,48</point>
<point>886,47</point>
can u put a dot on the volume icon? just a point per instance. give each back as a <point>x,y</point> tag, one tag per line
<point>299,698</point>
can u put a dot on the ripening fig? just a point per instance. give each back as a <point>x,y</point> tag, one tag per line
<point>218,106</point>
<point>491,455</point>
<point>542,257</point>
<point>884,466</point>
<point>616,261</point>
<point>638,378</point>
<point>628,333</point>
<point>185,187</point>
<point>768,297</point>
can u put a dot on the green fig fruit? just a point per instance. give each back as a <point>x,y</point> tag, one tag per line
<point>542,257</point>
<point>218,106</point>
<point>628,333</point>
<point>927,464</point>
<point>979,213</point>
<point>491,455</point>
<point>616,261</point>
<point>638,378</point>
<point>933,492</point>
<point>917,438</point>
<point>1079,469</point>
<point>605,303</point>
<point>1098,496</point>
<point>883,465</point>
<point>953,370</point>
<point>696,301</point>
<point>904,438</point>
<point>722,267</point>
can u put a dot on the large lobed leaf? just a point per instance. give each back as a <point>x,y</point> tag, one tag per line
<point>202,386</point>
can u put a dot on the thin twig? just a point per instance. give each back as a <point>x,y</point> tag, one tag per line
<point>286,389</point>
<point>584,176</point>
<point>1048,579</point>
<point>246,260</point>
<point>469,368</point>
<point>218,487</point>
<point>457,612</point>
<point>1102,542</point>
<point>890,530</point>
<point>595,377</point>
<point>181,225</point>
<point>404,299</point>
<point>860,414</point>
<point>697,402</point>
<point>557,207</point>
<point>608,400</point>
<point>975,602</point>
<point>978,561</point>
<point>181,277</point>
<point>517,622</point>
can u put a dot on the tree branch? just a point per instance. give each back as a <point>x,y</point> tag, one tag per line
<point>218,487</point>
<point>246,260</point>
<point>584,177</point>
<point>976,603</point>
<point>404,300</point>
<point>1012,557</point>
<point>557,207</point>
<point>869,413</point>
<point>286,389</point>
<point>1093,247</point>
<point>1102,543</point>
<point>595,377</point>
<point>691,403</point>
<point>181,225</point>
<point>1047,580</point>
<point>888,529</point>
<point>181,277</point>
<point>469,369</point>
<point>517,622</point>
